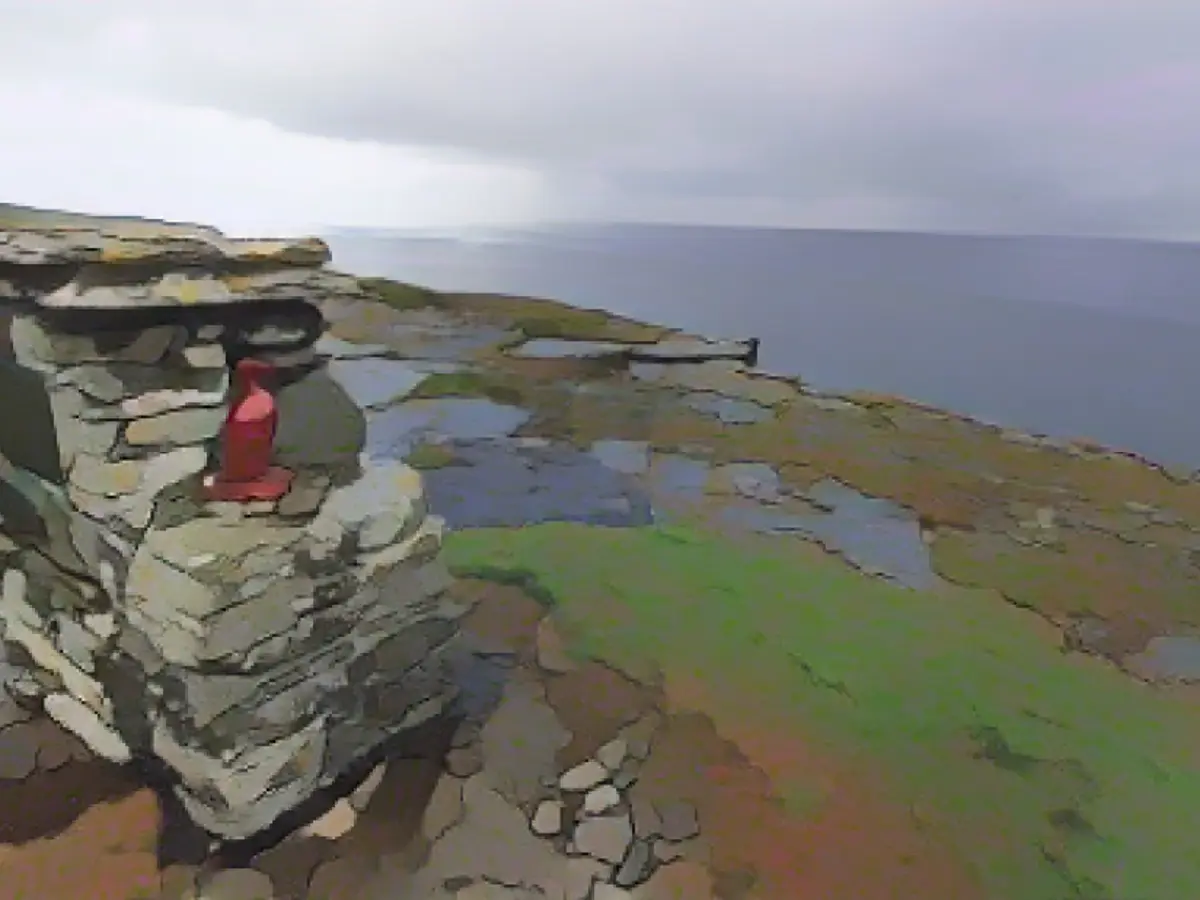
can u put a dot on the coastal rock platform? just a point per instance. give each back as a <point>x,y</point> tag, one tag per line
<point>722,636</point>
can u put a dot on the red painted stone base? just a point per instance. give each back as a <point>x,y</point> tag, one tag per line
<point>271,486</point>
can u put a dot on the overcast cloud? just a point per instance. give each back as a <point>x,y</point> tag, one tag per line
<point>1076,116</point>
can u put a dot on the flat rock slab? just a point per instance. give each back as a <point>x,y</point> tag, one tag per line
<point>682,349</point>
<point>671,350</point>
<point>199,288</point>
<point>508,484</point>
<point>45,238</point>
<point>332,347</point>
<point>556,348</point>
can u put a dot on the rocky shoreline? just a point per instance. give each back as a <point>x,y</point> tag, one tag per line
<point>557,774</point>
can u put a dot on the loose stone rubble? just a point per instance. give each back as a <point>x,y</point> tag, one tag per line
<point>257,651</point>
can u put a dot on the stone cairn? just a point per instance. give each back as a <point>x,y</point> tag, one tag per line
<point>256,651</point>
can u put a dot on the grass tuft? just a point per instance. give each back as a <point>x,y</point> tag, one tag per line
<point>467,384</point>
<point>400,295</point>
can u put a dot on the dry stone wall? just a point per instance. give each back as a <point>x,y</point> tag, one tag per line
<point>256,651</point>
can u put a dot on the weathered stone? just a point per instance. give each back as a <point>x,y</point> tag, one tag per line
<point>583,777</point>
<point>445,809</point>
<point>381,508</point>
<point>157,402</point>
<point>337,822</point>
<point>612,754</point>
<point>360,798</point>
<point>636,866</point>
<point>639,736</point>
<point>547,819</point>
<point>606,838</point>
<point>18,753</point>
<point>601,799</point>
<point>178,289</point>
<point>492,841</point>
<point>80,720</point>
<point>521,741</point>
<point>257,658</point>
<point>319,424</point>
<point>181,427</point>
<point>685,349</point>
<point>128,490</point>
<point>304,497</point>
<point>679,820</point>
<point>271,335</point>
<point>236,884</point>
<point>603,891</point>
<point>552,653</point>
<point>43,344</point>
<point>646,821</point>
<point>234,801</point>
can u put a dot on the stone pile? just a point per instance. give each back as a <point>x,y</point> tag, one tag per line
<point>630,838</point>
<point>257,651</point>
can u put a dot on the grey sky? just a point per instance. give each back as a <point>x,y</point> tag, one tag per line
<point>1007,115</point>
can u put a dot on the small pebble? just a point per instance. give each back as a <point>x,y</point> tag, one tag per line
<point>603,891</point>
<point>601,799</point>
<point>366,790</point>
<point>334,824</point>
<point>679,821</point>
<point>583,777</point>
<point>646,821</point>
<point>625,778</point>
<point>547,818</point>
<point>636,867</point>
<point>463,762</point>
<point>236,884</point>
<point>612,754</point>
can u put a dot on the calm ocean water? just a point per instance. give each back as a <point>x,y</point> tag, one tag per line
<point>1062,336</point>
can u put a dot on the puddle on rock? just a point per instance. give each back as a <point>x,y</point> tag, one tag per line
<point>626,457</point>
<point>1168,658</point>
<point>372,381</point>
<point>729,410</point>
<point>679,477</point>
<point>875,535</point>
<point>501,483</point>
<point>444,343</point>
<point>392,433</point>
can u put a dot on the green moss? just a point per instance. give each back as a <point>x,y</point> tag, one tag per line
<point>467,384</point>
<point>1053,777</point>
<point>430,456</point>
<point>539,318</point>
<point>399,295</point>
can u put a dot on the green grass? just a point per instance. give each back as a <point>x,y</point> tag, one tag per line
<point>430,456</point>
<point>399,295</point>
<point>467,384</point>
<point>1060,778</point>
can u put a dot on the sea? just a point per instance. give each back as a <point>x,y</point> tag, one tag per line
<point>1068,337</point>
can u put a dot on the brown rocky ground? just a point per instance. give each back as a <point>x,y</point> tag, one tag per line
<point>673,809</point>
<point>1103,547</point>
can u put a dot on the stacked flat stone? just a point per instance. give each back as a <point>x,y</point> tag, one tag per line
<point>258,650</point>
